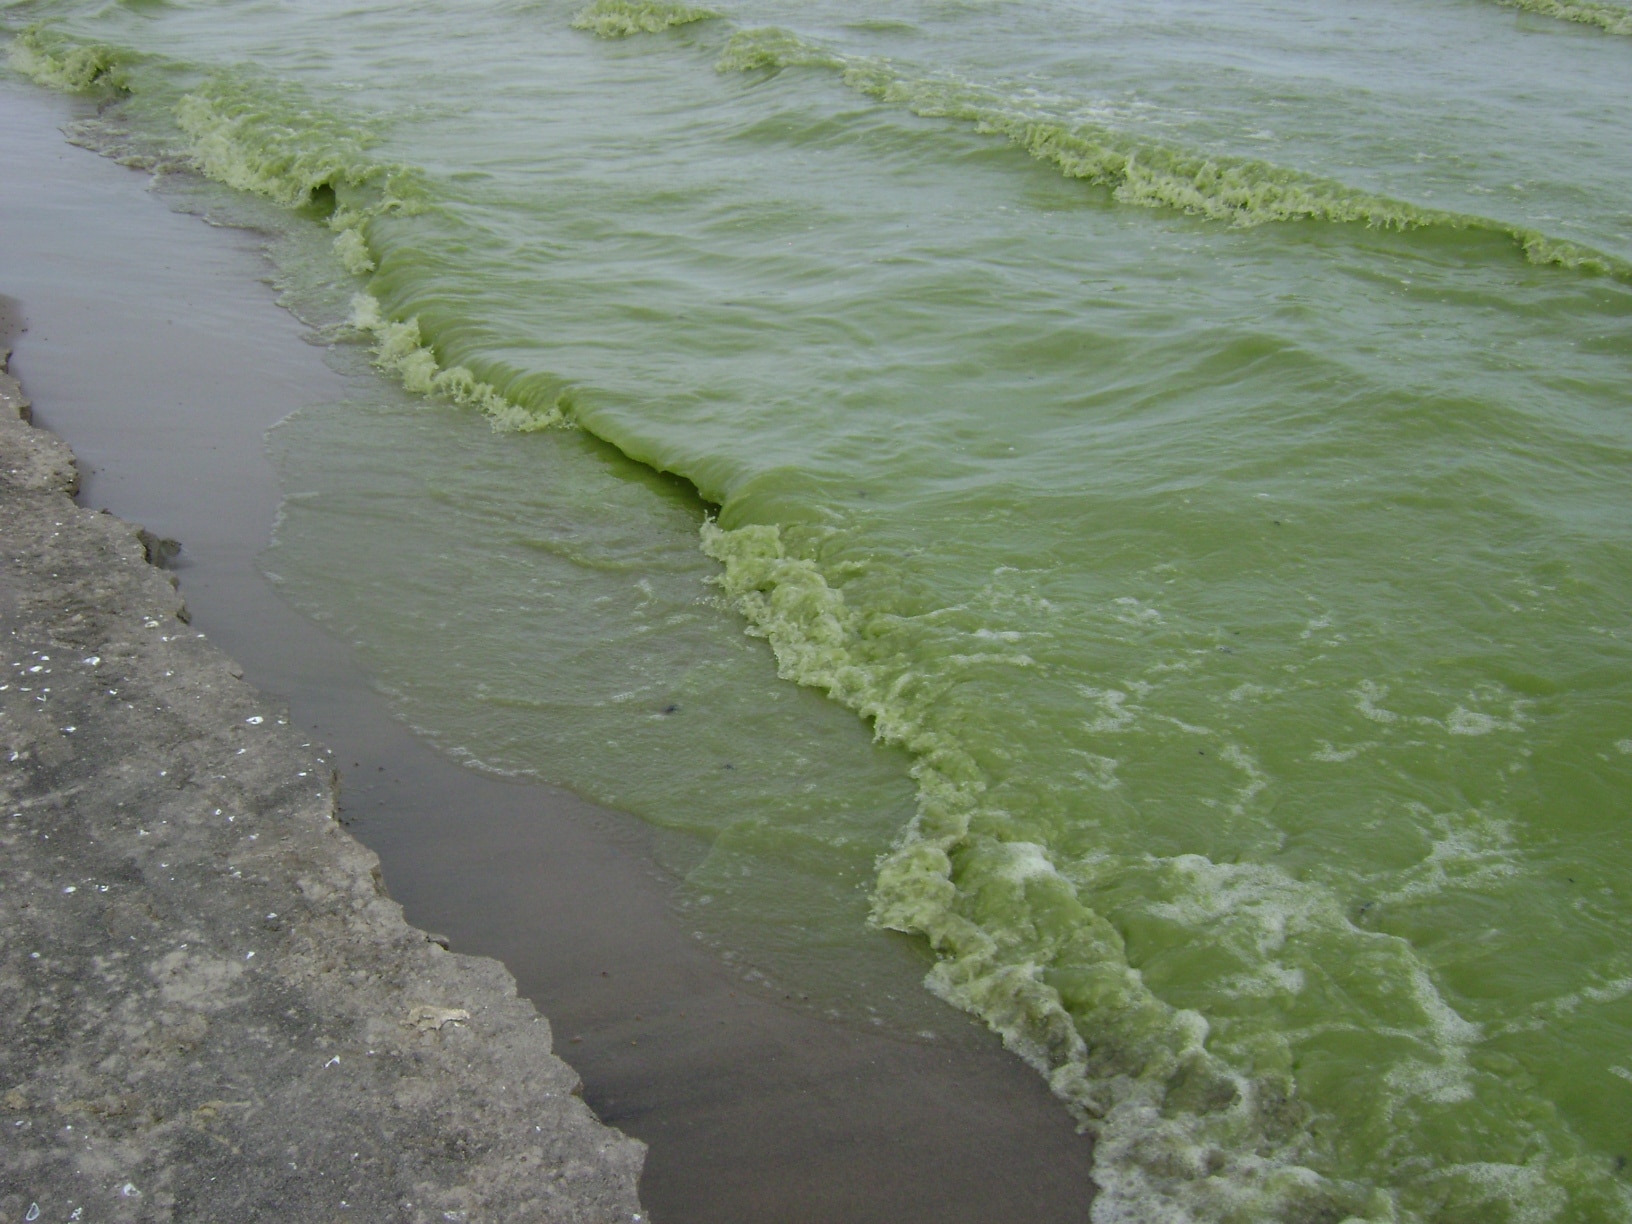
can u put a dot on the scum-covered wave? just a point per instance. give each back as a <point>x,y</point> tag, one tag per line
<point>268,137</point>
<point>271,139</point>
<point>400,351</point>
<point>51,58</point>
<point>1610,18</point>
<point>1181,1133</point>
<point>621,18</point>
<point>1138,171</point>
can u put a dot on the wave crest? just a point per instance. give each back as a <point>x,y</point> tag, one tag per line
<point>48,57</point>
<point>622,18</point>
<point>400,350</point>
<point>1607,17</point>
<point>1147,173</point>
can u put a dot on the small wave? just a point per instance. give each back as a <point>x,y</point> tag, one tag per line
<point>1147,173</point>
<point>49,58</point>
<point>621,18</point>
<point>1244,1143</point>
<point>400,351</point>
<point>271,139</point>
<point>1607,17</point>
<point>274,140</point>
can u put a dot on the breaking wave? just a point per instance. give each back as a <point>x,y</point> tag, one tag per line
<point>1610,18</point>
<point>1182,1135</point>
<point>621,18</point>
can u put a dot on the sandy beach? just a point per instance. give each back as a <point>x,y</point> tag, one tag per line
<point>149,341</point>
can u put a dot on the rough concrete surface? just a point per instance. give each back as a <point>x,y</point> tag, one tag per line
<point>211,1009</point>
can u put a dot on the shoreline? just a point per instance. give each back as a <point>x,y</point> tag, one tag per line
<point>216,1010</point>
<point>754,1108</point>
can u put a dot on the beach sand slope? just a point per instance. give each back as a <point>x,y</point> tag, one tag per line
<point>212,1010</point>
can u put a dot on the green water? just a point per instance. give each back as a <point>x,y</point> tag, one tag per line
<point>1194,441</point>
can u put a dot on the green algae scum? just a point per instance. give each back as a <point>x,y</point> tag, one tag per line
<point>1170,462</point>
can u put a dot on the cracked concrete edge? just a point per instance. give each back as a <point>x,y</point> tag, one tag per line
<point>213,1010</point>
<point>34,458</point>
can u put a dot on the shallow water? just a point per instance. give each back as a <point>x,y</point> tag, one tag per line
<point>146,338</point>
<point>1194,441</point>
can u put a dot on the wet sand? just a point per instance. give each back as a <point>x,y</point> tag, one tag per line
<point>153,345</point>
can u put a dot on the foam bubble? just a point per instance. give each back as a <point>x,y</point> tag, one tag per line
<point>1462,721</point>
<point>1468,851</point>
<point>1026,861</point>
<point>1114,714</point>
<point>1330,752</point>
<point>1366,696</point>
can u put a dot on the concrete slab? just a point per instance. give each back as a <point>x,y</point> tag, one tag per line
<point>212,1009</point>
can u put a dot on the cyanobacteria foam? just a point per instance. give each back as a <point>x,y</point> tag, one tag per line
<point>1193,442</point>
